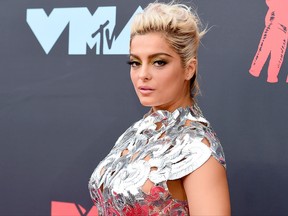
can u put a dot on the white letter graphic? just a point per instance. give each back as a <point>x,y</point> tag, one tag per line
<point>47,29</point>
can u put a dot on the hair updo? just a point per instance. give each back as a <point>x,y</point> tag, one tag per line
<point>180,26</point>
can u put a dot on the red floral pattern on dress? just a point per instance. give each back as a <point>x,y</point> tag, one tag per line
<point>158,203</point>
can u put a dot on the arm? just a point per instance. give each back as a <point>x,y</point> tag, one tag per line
<point>207,190</point>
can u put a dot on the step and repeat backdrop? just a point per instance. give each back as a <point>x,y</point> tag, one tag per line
<point>66,96</point>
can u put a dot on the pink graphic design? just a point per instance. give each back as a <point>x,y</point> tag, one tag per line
<point>71,209</point>
<point>273,41</point>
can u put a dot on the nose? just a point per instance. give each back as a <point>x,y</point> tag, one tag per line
<point>144,72</point>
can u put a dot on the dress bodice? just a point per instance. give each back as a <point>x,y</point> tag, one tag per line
<point>160,147</point>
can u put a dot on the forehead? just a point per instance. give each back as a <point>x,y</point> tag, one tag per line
<point>150,43</point>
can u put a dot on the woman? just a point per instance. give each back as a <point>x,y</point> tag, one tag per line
<point>170,162</point>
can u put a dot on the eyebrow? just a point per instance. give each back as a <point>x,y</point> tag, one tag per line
<point>151,56</point>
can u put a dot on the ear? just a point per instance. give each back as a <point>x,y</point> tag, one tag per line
<point>191,68</point>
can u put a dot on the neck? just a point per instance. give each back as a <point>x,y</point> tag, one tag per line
<point>187,102</point>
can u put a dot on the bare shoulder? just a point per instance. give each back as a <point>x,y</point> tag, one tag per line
<point>207,189</point>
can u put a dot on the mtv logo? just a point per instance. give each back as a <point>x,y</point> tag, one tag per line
<point>71,209</point>
<point>86,30</point>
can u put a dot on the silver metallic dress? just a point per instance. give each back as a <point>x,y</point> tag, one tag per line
<point>160,147</point>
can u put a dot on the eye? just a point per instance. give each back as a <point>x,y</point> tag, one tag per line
<point>159,63</point>
<point>133,63</point>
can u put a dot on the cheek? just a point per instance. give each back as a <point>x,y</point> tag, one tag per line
<point>173,84</point>
<point>171,81</point>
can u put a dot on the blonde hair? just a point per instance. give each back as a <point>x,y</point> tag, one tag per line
<point>181,28</point>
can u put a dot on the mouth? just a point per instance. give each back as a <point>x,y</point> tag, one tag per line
<point>145,90</point>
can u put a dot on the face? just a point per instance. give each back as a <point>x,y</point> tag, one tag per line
<point>158,76</point>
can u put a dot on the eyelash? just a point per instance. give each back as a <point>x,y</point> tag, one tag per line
<point>133,63</point>
<point>159,63</point>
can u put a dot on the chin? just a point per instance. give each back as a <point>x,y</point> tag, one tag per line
<point>147,103</point>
